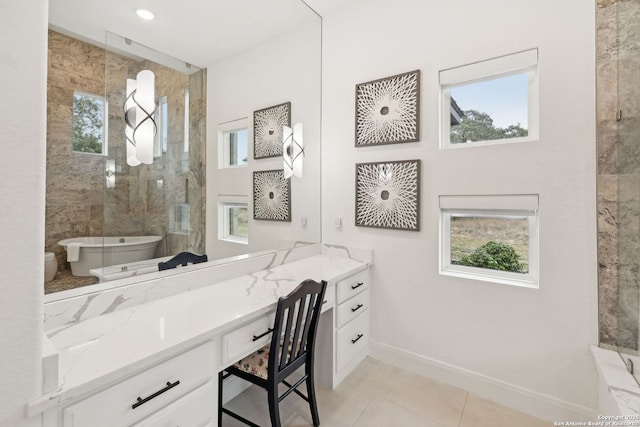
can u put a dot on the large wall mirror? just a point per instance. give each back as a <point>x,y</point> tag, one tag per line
<point>163,135</point>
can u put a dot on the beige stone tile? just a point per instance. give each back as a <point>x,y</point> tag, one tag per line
<point>382,413</point>
<point>479,412</point>
<point>371,374</point>
<point>423,396</point>
<point>345,404</point>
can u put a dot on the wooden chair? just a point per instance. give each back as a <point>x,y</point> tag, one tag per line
<point>183,258</point>
<point>292,345</point>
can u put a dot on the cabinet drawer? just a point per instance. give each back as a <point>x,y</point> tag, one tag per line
<point>352,285</point>
<point>240,342</point>
<point>352,340</point>
<point>193,410</point>
<point>348,310</point>
<point>329,298</point>
<point>167,381</point>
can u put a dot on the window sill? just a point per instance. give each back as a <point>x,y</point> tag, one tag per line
<point>493,276</point>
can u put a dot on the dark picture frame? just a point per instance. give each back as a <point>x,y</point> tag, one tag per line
<point>267,130</point>
<point>388,110</point>
<point>388,195</point>
<point>271,196</point>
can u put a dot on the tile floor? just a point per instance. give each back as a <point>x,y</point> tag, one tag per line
<point>377,394</point>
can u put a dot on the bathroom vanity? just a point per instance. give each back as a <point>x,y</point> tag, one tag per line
<point>156,363</point>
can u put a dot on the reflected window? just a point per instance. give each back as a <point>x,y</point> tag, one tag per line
<point>89,123</point>
<point>233,224</point>
<point>162,122</point>
<point>233,140</point>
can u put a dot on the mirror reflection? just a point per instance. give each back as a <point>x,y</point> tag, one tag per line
<point>135,178</point>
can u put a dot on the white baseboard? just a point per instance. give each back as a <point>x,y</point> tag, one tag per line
<point>524,400</point>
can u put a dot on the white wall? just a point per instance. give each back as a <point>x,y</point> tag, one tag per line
<point>23,61</point>
<point>525,348</point>
<point>286,69</point>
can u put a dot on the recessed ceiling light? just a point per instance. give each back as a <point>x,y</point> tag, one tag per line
<point>145,14</point>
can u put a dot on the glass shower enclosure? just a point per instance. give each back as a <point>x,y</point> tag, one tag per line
<point>154,167</point>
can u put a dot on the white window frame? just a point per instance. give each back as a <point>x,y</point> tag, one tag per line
<point>105,123</point>
<point>187,124</point>
<point>503,66</point>
<point>159,146</point>
<point>225,203</point>
<point>500,206</point>
<point>224,154</point>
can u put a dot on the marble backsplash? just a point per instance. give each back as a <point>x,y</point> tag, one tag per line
<point>64,309</point>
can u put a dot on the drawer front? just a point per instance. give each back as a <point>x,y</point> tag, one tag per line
<point>196,409</point>
<point>352,340</point>
<point>167,381</point>
<point>329,298</point>
<point>240,342</point>
<point>353,307</point>
<point>352,285</point>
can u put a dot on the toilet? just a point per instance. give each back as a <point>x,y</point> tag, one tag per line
<point>50,266</point>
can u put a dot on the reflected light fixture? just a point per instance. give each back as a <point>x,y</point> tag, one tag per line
<point>292,150</point>
<point>145,14</point>
<point>139,108</point>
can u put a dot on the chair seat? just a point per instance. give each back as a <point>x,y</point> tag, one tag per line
<point>256,363</point>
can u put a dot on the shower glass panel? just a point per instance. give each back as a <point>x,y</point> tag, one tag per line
<point>155,177</point>
<point>628,171</point>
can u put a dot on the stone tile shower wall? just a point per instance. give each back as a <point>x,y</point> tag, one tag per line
<point>75,181</point>
<point>145,198</point>
<point>618,139</point>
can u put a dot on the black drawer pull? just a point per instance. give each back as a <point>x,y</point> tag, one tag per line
<point>140,400</point>
<point>356,308</point>
<point>357,338</point>
<point>324,302</point>
<point>257,337</point>
<point>357,285</point>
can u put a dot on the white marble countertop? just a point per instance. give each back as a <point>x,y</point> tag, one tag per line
<point>101,350</point>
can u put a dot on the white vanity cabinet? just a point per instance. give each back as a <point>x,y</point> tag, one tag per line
<point>352,324</point>
<point>161,370</point>
<point>153,390</point>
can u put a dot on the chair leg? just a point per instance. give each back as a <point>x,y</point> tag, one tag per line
<point>311,394</point>
<point>220,388</point>
<point>274,409</point>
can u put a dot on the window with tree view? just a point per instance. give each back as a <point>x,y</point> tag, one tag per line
<point>89,123</point>
<point>492,238</point>
<point>489,102</point>
<point>490,110</point>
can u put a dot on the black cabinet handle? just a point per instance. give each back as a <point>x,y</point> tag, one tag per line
<point>357,338</point>
<point>141,401</point>
<point>357,285</point>
<point>324,302</point>
<point>257,337</point>
<point>356,308</point>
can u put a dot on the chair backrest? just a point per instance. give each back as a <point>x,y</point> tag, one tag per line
<point>295,328</point>
<point>183,258</point>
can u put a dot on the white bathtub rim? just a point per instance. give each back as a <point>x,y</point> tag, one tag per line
<point>114,241</point>
<point>621,385</point>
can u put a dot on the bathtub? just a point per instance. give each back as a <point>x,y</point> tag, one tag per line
<point>86,253</point>
<point>618,391</point>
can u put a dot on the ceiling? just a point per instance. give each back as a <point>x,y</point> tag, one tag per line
<point>200,32</point>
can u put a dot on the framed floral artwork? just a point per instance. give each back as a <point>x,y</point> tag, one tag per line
<point>388,110</point>
<point>388,195</point>
<point>267,130</point>
<point>271,195</point>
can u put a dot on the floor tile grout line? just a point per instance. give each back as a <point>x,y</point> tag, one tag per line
<point>464,407</point>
